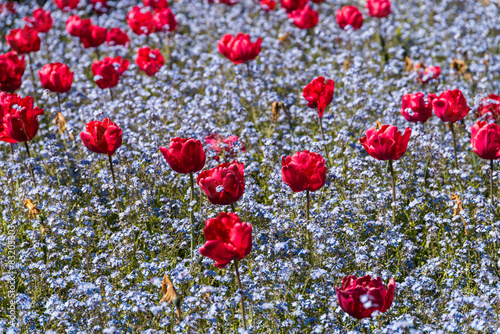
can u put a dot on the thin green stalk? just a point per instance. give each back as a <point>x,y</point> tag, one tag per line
<point>452,127</point>
<point>31,167</point>
<point>191,212</point>
<point>241,293</point>
<point>112,173</point>
<point>233,208</point>
<point>327,155</point>
<point>393,184</point>
<point>32,77</point>
<point>492,197</point>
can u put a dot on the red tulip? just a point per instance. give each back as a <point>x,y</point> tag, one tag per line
<point>386,143</point>
<point>360,297</point>
<point>267,5</point>
<point>304,171</point>
<point>414,108</point>
<point>429,73</point>
<point>6,100</point>
<point>99,6</point>
<point>379,8</point>
<point>305,18</point>
<point>239,49</point>
<point>107,72</point>
<point>8,7</point>
<point>216,142</point>
<point>156,4</point>
<point>349,15</point>
<point>489,108</point>
<point>149,60</point>
<point>56,77</point>
<point>224,184</point>
<point>140,21</point>
<point>77,27</point>
<point>450,106</point>
<point>291,5</point>
<point>11,71</point>
<point>24,40</point>
<point>164,20</point>
<point>184,155</point>
<point>319,94</point>
<point>227,239</point>
<point>94,37</point>
<point>116,36</point>
<point>20,118</point>
<point>41,20</point>
<point>485,140</point>
<point>318,1</point>
<point>102,137</point>
<point>66,5</point>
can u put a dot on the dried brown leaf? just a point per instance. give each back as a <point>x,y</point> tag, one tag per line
<point>168,289</point>
<point>61,121</point>
<point>275,109</point>
<point>33,210</point>
<point>409,64</point>
<point>459,66</point>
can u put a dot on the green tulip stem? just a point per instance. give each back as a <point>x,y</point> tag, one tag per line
<point>32,77</point>
<point>191,212</point>
<point>31,167</point>
<point>241,293</point>
<point>491,182</point>
<point>327,155</point>
<point>112,173</point>
<point>452,127</point>
<point>393,184</point>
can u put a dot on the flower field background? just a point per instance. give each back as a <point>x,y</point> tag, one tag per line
<point>92,245</point>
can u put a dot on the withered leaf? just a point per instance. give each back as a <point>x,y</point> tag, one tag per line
<point>275,109</point>
<point>409,64</point>
<point>61,121</point>
<point>459,66</point>
<point>33,210</point>
<point>168,289</point>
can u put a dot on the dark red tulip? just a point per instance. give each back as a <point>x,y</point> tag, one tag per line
<point>428,73</point>
<point>387,143</point>
<point>41,20</point>
<point>267,5</point>
<point>239,49</point>
<point>140,21</point>
<point>379,8</point>
<point>102,137</point>
<point>99,6</point>
<point>224,184</point>
<point>149,60</point>
<point>360,297</point>
<point>485,140</point>
<point>24,40</point>
<point>228,238</point>
<point>76,26</point>
<point>229,144</point>
<point>304,171</point>
<point>184,155</point>
<point>450,106</point>
<point>56,77</point>
<point>318,1</point>
<point>8,7</point>
<point>94,37</point>
<point>6,100</point>
<point>305,18</point>
<point>414,108</point>
<point>107,72</point>
<point>156,4</point>
<point>20,118</point>
<point>291,5</point>
<point>116,36</point>
<point>11,71</point>
<point>489,108</point>
<point>225,2</point>
<point>349,15</point>
<point>319,94</point>
<point>67,5</point>
<point>164,20</point>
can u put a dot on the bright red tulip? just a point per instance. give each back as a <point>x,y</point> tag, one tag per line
<point>77,27</point>
<point>429,73</point>
<point>304,171</point>
<point>102,137</point>
<point>217,142</point>
<point>41,20</point>
<point>11,71</point>
<point>267,5</point>
<point>349,15</point>
<point>485,140</point>
<point>379,8</point>
<point>24,40</point>
<point>67,5</point>
<point>107,72</point>
<point>305,18</point>
<point>164,20</point>
<point>155,4</point>
<point>319,94</point>
<point>291,5</point>
<point>360,297</point>
<point>100,6</point>
<point>489,108</point>
<point>94,37</point>
<point>239,49</point>
<point>414,108</point>
<point>450,106</point>
<point>20,118</point>
<point>184,155</point>
<point>149,60</point>
<point>6,100</point>
<point>387,143</point>
<point>116,36</point>
<point>56,77</point>
<point>228,238</point>
<point>140,21</point>
<point>224,184</point>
